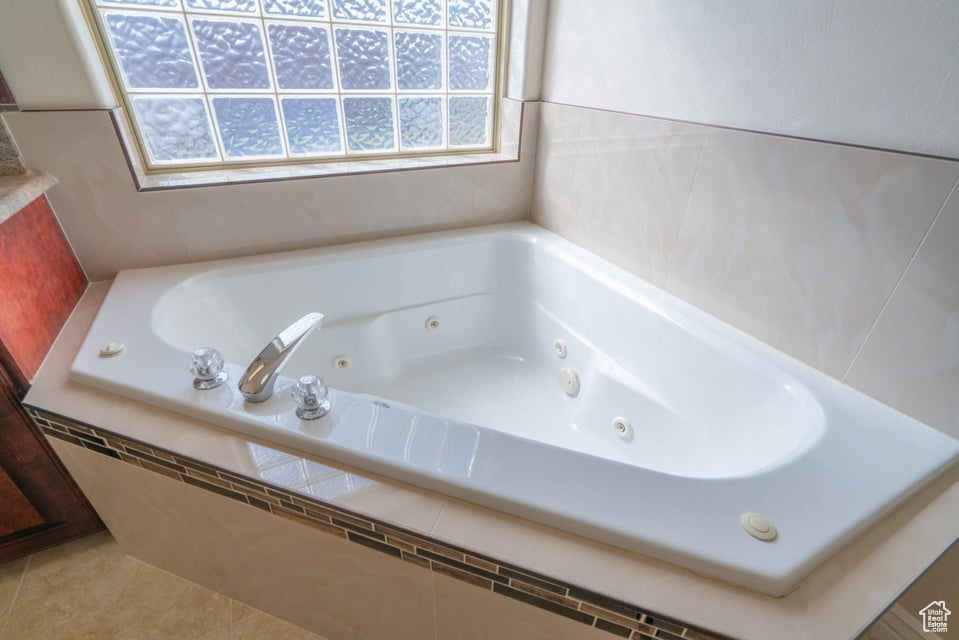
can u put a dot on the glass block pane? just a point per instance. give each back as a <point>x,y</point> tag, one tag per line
<point>248,126</point>
<point>421,122</point>
<point>364,58</point>
<point>315,470</point>
<point>312,125</point>
<point>154,52</point>
<point>419,60</point>
<point>301,56</point>
<point>471,14</point>
<point>418,11</point>
<point>151,3</point>
<point>469,121</point>
<point>175,128</point>
<point>239,6</point>
<point>313,8</point>
<point>264,456</point>
<point>331,488</point>
<point>232,54</point>
<point>291,474</point>
<point>367,10</point>
<point>369,123</point>
<point>470,62</point>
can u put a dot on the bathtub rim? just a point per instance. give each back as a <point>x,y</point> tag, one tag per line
<point>883,563</point>
<point>777,581</point>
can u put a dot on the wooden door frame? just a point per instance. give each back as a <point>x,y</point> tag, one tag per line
<point>31,463</point>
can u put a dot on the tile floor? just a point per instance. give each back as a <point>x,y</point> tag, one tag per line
<point>90,590</point>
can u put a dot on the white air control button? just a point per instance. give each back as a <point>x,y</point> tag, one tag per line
<point>759,524</point>
<point>759,527</point>
<point>111,349</point>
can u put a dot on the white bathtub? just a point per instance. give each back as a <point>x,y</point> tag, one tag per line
<point>722,424</point>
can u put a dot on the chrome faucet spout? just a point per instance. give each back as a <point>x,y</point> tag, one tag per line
<point>260,377</point>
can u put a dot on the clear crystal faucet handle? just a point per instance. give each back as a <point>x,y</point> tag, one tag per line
<point>207,366</point>
<point>312,398</point>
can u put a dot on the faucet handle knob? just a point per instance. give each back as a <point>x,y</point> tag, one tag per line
<point>207,366</point>
<point>312,398</point>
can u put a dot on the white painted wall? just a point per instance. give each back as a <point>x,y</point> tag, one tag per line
<point>881,73</point>
<point>48,58</point>
<point>527,40</point>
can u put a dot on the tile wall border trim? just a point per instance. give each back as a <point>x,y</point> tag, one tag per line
<point>575,603</point>
<point>774,134</point>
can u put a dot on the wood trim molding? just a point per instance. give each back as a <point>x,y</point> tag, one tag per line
<point>29,461</point>
<point>7,101</point>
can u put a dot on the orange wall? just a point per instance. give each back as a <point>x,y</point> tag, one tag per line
<point>40,283</point>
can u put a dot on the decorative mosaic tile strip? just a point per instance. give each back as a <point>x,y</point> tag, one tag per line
<point>590,608</point>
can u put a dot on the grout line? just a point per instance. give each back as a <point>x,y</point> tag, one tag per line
<point>16,593</point>
<point>70,243</point>
<point>473,172</point>
<point>790,136</point>
<point>682,223</point>
<point>902,276</point>
<point>574,174</point>
<point>573,221</point>
<point>439,515</point>
<point>181,232</point>
<point>521,144</point>
<point>436,615</point>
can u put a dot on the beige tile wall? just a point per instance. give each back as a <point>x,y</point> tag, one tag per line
<point>801,243</point>
<point>911,358</point>
<point>302,575</point>
<point>842,257</point>
<point>622,170</point>
<point>875,73</point>
<point>112,226</point>
<point>310,578</point>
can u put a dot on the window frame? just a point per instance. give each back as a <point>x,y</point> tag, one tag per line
<point>150,175</point>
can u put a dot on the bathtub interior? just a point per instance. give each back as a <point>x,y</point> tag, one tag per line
<point>469,332</point>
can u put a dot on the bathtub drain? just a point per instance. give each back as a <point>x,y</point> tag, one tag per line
<point>112,349</point>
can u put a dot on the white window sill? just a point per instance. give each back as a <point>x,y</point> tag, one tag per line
<point>510,133</point>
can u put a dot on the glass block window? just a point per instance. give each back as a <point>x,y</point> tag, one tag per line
<point>210,82</point>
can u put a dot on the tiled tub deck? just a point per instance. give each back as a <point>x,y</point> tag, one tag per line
<point>159,476</point>
<point>582,605</point>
